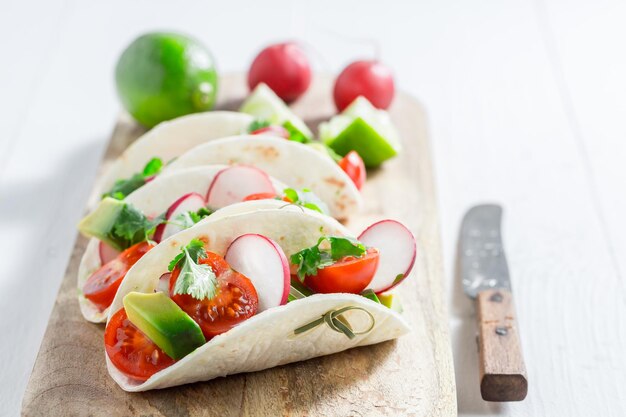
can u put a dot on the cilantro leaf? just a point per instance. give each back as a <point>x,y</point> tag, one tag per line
<point>258,124</point>
<point>153,167</point>
<point>124,187</point>
<point>327,251</point>
<point>306,198</point>
<point>132,227</point>
<point>196,250</point>
<point>195,279</point>
<point>190,218</point>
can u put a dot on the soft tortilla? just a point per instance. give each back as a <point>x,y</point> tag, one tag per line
<point>293,163</point>
<point>153,199</point>
<point>173,138</point>
<point>267,339</point>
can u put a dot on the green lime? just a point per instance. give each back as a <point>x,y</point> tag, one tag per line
<point>362,128</point>
<point>265,105</point>
<point>162,75</point>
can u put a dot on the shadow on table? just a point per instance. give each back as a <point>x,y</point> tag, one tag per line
<point>464,333</point>
<point>38,215</point>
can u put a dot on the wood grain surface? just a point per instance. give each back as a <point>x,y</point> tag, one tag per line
<point>502,370</point>
<point>410,376</point>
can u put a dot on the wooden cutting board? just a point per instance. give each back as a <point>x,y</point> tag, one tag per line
<point>409,376</point>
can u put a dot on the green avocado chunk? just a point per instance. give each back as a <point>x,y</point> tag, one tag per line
<point>118,224</point>
<point>164,322</point>
<point>364,129</point>
<point>391,302</point>
<point>101,221</point>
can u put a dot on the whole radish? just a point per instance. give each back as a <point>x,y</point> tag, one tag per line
<point>284,67</point>
<point>370,79</point>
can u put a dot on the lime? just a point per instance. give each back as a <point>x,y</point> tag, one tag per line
<point>162,75</point>
<point>265,105</point>
<point>364,129</point>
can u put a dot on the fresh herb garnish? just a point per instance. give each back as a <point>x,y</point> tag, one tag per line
<point>131,227</point>
<point>195,279</point>
<point>124,187</point>
<point>190,218</point>
<point>328,250</point>
<point>371,295</point>
<point>258,124</point>
<point>305,198</point>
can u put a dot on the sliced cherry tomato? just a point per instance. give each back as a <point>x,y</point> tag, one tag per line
<point>265,196</point>
<point>236,299</point>
<point>353,165</point>
<point>131,351</point>
<point>260,196</point>
<point>272,130</point>
<point>102,285</point>
<point>349,274</point>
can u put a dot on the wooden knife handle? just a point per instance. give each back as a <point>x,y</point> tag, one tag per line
<point>502,370</point>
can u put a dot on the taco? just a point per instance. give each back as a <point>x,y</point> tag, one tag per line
<point>300,166</point>
<point>146,156</point>
<point>251,291</point>
<point>124,230</point>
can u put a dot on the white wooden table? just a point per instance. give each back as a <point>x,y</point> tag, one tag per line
<point>527,102</point>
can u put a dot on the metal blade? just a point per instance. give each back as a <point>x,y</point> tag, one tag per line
<point>482,260</point>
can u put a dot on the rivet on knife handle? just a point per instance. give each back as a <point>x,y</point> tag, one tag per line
<point>502,369</point>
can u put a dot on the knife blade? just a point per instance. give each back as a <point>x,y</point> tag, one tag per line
<point>485,277</point>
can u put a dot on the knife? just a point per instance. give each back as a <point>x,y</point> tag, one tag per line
<point>485,278</point>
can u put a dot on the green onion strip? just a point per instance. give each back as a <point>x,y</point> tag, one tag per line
<point>338,323</point>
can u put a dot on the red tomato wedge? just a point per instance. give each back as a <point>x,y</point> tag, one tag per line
<point>350,274</point>
<point>236,299</point>
<point>131,351</point>
<point>102,285</point>
<point>259,196</point>
<point>353,165</point>
<point>272,130</point>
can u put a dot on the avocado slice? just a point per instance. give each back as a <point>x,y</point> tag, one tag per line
<point>391,302</point>
<point>164,322</point>
<point>362,128</point>
<point>265,105</point>
<point>99,223</point>
<point>118,224</point>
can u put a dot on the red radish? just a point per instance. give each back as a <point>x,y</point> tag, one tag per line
<point>284,67</point>
<point>370,79</point>
<point>397,248</point>
<point>352,164</point>
<point>164,283</point>
<point>107,253</point>
<point>188,202</point>
<point>261,260</point>
<point>273,130</point>
<point>233,184</point>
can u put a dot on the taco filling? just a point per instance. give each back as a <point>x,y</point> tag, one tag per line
<point>202,295</point>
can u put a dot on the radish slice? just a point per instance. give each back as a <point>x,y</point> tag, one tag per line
<point>397,248</point>
<point>107,253</point>
<point>233,184</point>
<point>188,202</point>
<point>261,260</point>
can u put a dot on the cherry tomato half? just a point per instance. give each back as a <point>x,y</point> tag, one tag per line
<point>259,196</point>
<point>102,285</point>
<point>274,130</point>
<point>131,351</point>
<point>350,274</point>
<point>353,165</point>
<point>236,299</point>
